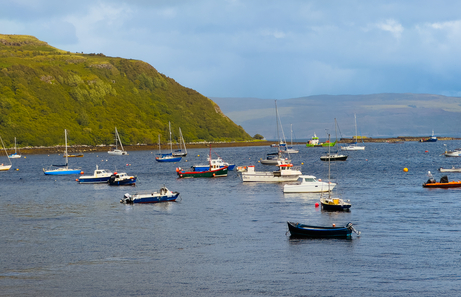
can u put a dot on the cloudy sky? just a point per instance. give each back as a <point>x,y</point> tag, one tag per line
<point>263,48</point>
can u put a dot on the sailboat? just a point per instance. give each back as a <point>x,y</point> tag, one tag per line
<point>333,203</point>
<point>2,166</point>
<point>276,158</point>
<point>290,149</point>
<point>354,146</point>
<point>168,157</point>
<point>62,169</point>
<point>117,151</point>
<point>15,155</point>
<point>182,145</point>
<point>335,156</point>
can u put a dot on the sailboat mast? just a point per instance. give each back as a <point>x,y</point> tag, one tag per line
<point>15,149</point>
<point>118,136</point>
<point>65,136</point>
<point>159,149</point>
<point>3,145</point>
<point>171,143</point>
<point>277,121</point>
<point>355,120</point>
<point>183,142</point>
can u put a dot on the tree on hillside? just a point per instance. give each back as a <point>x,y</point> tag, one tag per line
<point>258,137</point>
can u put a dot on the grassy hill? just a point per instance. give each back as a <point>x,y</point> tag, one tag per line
<point>44,90</point>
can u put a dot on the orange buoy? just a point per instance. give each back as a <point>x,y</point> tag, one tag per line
<point>334,225</point>
<point>426,151</point>
<point>81,172</point>
<point>405,169</point>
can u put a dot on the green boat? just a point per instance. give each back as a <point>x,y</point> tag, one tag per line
<point>213,172</point>
<point>314,142</point>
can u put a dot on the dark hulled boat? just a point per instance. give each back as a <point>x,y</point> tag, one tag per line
<point>301,230</point>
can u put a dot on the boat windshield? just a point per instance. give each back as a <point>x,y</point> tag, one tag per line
<point>310,180</point>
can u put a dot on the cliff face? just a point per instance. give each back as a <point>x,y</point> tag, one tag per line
<point>44,90</point>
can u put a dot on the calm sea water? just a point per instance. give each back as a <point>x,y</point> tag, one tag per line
<point>226,238</point>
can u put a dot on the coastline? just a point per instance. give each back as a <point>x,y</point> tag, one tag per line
<point>154,147</point>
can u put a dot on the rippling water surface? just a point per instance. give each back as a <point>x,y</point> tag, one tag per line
<point>226,238</point>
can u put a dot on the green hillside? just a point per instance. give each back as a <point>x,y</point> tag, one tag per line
<point>44,90</point>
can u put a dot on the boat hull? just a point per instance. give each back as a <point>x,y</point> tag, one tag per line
<point>123,182</point>
<point>334,158</point>
<point>207,167</point>
<point>5,167</point>
<point>62,172</point>
<point>152,198</point>
<point>452,184</point>
<point>300,230</point>
<point>14,156</point>
<point>317,187</point>
<point>352,148</point>
<point>220,172</point>
<point>273,162</point>
<point>93,180</point>
<point>118,153</point>
<point>268,177</point>
<point>450,169</point>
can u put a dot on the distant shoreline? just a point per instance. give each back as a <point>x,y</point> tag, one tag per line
<point>154,147</point>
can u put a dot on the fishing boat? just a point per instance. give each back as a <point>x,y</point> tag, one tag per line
<point>354,146</point>
<point>163,195</point>
<point>286,172</point>
<point>4,167</point>
<point>211,172</point>
<point>308,184</point>
<point>301,230</point>
<point>62,169</point>
<point>444,183</point>
<point>452,169</point>
<point>218,162</point>
<point>314,142</point>
<point>168,157</point>
<point>330,203</point>
<point>99,176</point>
<point>122,179</point>
<point>15,155</point>
<point>433,138</point>
<point>117,151</point>
<point>182,151</point>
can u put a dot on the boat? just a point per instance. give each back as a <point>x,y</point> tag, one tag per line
<point>15,155</point>
<point>289,149</point>
<point>163,195</point>
<point>333,203</point>
<point>433,138</point>
<point>274,159</point>
<point>4,167</point>
<point>99,176</point>
<point>211,172</point>
<point>453,153</point>
<point>182,151</point>
<point>308,184</point>
<point>314,142</point>
<point>335,156</point>
<point>117,151</point>
<point>62,169</point>
<point>216,163</point>
<point>354,146</point>
<point>122,179</point>
<point>444,183</point>
<point>452,169</point>
<point>168,157</point>
<point>79,155</point>
<point>301,230</point>
<point>286,172</point>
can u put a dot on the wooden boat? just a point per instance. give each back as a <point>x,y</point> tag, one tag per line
<point>117,151</point>
<point>452,169</point>
<point>62,169</point>
<point>301,230</point>
<point>163,195</point>
<point>15,155</point>
<point>168,157</point>
<point>4,167</point>
<point>99,176</point>
<point>122,179</point>
<point>444,183</point>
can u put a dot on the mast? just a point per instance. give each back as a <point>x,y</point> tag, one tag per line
<point>329,159</point>
<point>15,150</point>
<point>171,144</point>
<point>159,149</point>
<point>119,140</point>
<point>182,139</point>
<point>65,136</point>
<point>3,145</point>
<point>116,136</point>
<point>355,120</point>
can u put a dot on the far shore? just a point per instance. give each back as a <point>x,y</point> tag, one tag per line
<point>154,147</point>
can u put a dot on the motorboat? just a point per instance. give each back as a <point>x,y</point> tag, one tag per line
<point>453,153</point>
<point>444,183</point>
<point>211,172</point>
<point>163,195</point>
<point>301,230</point>
<point>274,159</point>
<point>117,151</point>
<point>452,169</point>
<point>286,172</point>
<point>333,157</point>
<point>308,184</point>
<point>99,176</point>
<point>334,204</point>
<point>216,163</point>
<point>122,179</point>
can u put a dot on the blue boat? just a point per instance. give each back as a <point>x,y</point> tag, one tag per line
<point>169,157</point>
<point>122,179</point>
<point>99,176</point>
<point>433,138</point>
<point>215,163</point>
<point>301,230</point>
<point>62,169</point>
<point>163,195</point>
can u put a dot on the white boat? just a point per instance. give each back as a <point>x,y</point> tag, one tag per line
<point>354,146</point>
<point>274,159</point>
<point>15,155</point>
<point>308,184</point>
<point>286,172</point>
<point>4,167</point>
<point>289,149</point>
<point>182,151</point>
<point>333,156</point>
<point>99,176</point>
<point>452,169</point>
<point>62,169</point>
<point>453,153</point>
<point>117,151</point>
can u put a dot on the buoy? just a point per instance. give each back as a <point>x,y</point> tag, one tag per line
<point>316,204</point>
<point>17,169</point>
<point>426,151</point>
<point>198,155</point>
<point>334,225</point>
<point>259,161</point>
<point>25,157</point>
<point>405,169</point>
<point>302,163</point>
<point>76,179</point>
<point>81,172</point>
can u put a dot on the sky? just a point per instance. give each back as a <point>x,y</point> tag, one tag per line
<point>263,48</point>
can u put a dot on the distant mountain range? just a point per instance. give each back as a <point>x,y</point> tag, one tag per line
<point>378,115</point>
